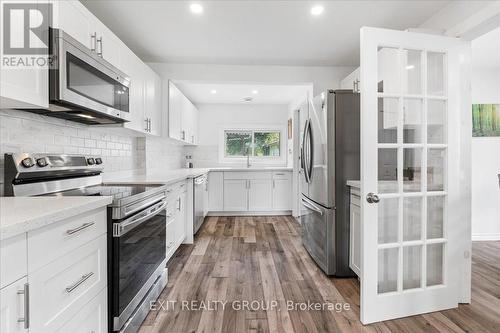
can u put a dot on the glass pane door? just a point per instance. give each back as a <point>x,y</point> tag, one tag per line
<point>411,170</point>
<point>410,132</point>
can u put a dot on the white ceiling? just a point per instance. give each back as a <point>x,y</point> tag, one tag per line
<point>486,50</point>
<point>234,93</point>
<point>254,32</point>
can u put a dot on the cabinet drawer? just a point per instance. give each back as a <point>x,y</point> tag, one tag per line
<point>282,175</point>
<point>60,289</point>
<point>13,264</point>
<point>49,243</point>
<point>91,318</point>
<point>248,175</point>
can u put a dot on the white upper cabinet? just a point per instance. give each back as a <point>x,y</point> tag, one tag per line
<point>174,112</point>
<point>182,117</point>
<point>351,81</point>
<point>74,19</point>
<point>22,87</point>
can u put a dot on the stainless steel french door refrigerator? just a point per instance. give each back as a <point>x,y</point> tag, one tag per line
<point>330,155</point>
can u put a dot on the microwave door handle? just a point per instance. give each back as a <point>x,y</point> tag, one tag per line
<point>120,229</point>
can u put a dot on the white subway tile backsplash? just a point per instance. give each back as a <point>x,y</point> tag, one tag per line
<point>27,132</point>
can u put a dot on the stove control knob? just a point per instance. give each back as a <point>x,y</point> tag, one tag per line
<point>41,162</point>
<point>27,162</point>
<point>98,160</point>
<point>90,161</point>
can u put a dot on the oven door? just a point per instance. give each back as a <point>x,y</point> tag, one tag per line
<point>138,259</point>
<point>82,79</point>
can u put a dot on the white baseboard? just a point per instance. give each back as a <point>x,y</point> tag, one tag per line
<point>244,213</point>
<point>485,237</point>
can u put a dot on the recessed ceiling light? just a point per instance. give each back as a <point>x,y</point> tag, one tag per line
<point>317,10</point>
<point>213,91</point>
<point>410,66</point>
<point>196,8</point>
<point>255,92</point>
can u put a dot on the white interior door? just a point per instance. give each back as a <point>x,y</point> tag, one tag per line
<point>413,101</point>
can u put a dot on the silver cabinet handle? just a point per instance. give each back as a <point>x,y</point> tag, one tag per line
<point>183,135</point>
<point>93,42</point>
<point>79,282</point>
<point>192,138</point>
<point>179,204</point>
<point>80,228</point>
<point>147,125</point>
<point>372,198</point>
<point>26,293</point>
<point>279,174</point>
<point>99,41</point>
<point>274,183</point>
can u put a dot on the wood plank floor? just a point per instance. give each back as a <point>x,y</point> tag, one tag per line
<point>238,259</point>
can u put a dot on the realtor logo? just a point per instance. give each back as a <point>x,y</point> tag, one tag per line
<point>26,28</point>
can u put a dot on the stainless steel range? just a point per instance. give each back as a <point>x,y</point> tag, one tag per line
<point>136,226</point>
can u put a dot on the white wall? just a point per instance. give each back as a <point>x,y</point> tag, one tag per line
<point>485,150</point>
<point>322,78</point>
<point>214,117</point>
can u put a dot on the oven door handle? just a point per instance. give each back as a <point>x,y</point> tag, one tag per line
<point>120,229</point>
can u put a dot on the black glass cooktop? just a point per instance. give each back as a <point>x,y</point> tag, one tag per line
<point>116,191</point>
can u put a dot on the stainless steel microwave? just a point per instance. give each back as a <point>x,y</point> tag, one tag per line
<point>84,87</point>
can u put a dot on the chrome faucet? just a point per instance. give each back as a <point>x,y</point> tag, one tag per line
<point>248,158</point>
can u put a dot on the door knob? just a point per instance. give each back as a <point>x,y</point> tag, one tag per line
<point>372,198</point>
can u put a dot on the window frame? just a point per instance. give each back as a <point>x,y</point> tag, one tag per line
<point>281,159</point>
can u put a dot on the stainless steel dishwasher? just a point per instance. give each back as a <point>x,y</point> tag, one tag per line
<point>199,211</point>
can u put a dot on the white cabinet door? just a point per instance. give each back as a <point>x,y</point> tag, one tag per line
<point>260,195</point>
<point>93,317</point>
<point>181,218</point>
<point>186,112</point>
<point>12,305</point>
<point>355,236</point>
<point>75,20</point>
<point>22,86</point>
<point>154,105</point>
<point>174,112</point>
<point>190,122</point>
<point>282,189</point>
<point>216,191</point>
<point>235,195</point>
<point>170,237</point>
<point>351,81</point>
<point>136,72</point>
<point>13,264</point>
<point>108,46</point>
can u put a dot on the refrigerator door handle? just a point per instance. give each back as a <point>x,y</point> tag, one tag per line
<point>311,151</point>
<point>303,152</point>
<point>312,206</point>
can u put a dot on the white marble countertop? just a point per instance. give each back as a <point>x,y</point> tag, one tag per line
<point>172,176</point>
<point>22,214</point>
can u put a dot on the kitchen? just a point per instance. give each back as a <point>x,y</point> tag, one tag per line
<point>200,176</point>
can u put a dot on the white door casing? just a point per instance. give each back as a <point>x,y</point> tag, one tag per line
<point>414,101</point>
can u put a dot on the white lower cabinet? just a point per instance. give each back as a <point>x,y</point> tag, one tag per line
<point>235,195</point>
<point>60,289</point>
<point>91,318</point>
<point>355,232</point>
<point>12,307</point>
<point>250,191</point>
<point>54,279</point>
<point>216,191</point>
<point>282,194</point>
<point>176,217</point>
<point>260,195</point>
